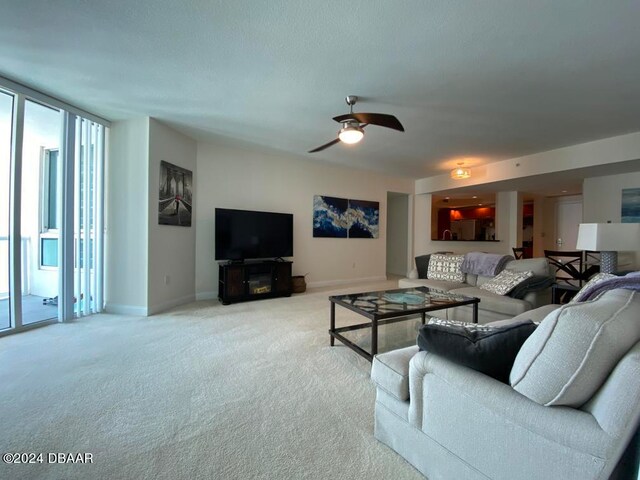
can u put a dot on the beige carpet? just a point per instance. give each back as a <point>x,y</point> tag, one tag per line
<point>250,390</point>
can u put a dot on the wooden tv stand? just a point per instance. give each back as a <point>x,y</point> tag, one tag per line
<point>242,282</point>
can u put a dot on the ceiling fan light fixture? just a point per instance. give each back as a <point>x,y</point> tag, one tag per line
<point>460,173</point>
<point>351,134</point>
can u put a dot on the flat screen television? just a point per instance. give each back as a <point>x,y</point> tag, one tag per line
<point>247,234</point>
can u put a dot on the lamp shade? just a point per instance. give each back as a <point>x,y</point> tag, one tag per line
<point>611,237</point>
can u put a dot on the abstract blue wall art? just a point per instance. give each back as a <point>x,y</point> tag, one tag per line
<point>630,205</point>
<point>329,217</point>
<point>364,218</point>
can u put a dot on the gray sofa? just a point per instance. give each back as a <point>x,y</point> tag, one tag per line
<point>451,422</point>
<point>492,307</point>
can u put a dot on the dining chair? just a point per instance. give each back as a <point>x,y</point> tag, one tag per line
<point>568,266</point>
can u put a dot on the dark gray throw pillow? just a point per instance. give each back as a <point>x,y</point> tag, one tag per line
<point>531,284</point>
<point>422,264</point>
<point>485,348</point>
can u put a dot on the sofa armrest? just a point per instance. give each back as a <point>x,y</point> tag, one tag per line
<point>490,402</point>
<point>390,371</point>
<point>539,298</point>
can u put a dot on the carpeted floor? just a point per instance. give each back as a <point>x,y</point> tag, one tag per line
<point>251,390</point>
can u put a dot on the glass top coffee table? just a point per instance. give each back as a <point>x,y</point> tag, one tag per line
<point>390,306</point>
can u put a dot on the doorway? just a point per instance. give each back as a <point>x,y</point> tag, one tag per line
<point>398,224</point>
<point>568,218</point>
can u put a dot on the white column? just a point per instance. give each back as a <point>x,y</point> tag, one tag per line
<point>422,224</point>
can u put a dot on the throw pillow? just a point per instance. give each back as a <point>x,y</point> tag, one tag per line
<point>485,348</point>
<point>597,278</point>
<point>422,264</point>
<point>446,267</point>
<point>575,348</point>
<point>531,284</point>
<point>505,281</point>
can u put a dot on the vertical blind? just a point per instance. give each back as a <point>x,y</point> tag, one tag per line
<point>88,217</point>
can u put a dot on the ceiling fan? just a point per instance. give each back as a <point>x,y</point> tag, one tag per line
<point>353,124</point>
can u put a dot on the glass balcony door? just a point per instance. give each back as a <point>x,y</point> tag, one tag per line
<point>51,210</point>
<point>6,116</point>
<point>40,215</point>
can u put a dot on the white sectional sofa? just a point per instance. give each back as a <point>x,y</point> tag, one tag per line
<point>492,306</point>
<point>452,422</point>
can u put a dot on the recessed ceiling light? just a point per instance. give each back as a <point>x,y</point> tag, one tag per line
<point>564,191</point>
<point>479,204</point>
<point>475,196</point>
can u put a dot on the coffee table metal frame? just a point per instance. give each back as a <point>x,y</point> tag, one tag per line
<point>384,318</point>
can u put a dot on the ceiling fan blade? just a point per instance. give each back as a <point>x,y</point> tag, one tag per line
<point>326,145</point>
<point>380,119</point>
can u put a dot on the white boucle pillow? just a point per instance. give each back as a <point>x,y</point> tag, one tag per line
<point>506,281</point>
<point>575,348</point>
<point>446,267</point>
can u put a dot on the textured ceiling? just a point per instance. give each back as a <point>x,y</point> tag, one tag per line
<point>482,81</point>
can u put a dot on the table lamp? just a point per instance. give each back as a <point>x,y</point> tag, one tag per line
<point>609,239</point>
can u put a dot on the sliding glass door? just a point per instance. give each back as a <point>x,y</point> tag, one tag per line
<point>6,115</point>
<point>51,210</point>
<point>40,216</point>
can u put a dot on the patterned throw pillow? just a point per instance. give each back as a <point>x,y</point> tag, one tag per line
<point>446,267</point>
<point>506,281</point>
<point>597,278</point>
<point>490,349</point>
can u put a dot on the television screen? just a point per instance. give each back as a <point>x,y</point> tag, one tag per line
<point>245,234</point>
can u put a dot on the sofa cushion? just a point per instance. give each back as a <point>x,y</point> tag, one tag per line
<point>485,348</point>
<point>539,266</point>
<point>446,267</point>
<point>506,281</point>
<point>575,348</point>
<point>422,265</point>
<point>425,282</point>
<point>493,302</point>
<point>390,371</point>
<point>536,315</point>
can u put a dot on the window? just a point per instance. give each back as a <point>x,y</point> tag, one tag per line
<point>49,209</point>
<point>48,252</point>
<point>50,190</point>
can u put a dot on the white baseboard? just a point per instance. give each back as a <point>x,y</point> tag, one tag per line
<point>146,311</point>
<point>126,310</point>
<point>331,283</point>
<point>166,305</point>
<point>206,295</point>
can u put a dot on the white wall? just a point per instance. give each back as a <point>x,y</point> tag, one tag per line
<point>397,232</point>
<point>231,176</point>
<point>171,248</point>
<point>126,199</point>
<point>602,203</point>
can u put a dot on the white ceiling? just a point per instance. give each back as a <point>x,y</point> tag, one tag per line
<point>481,80</point>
